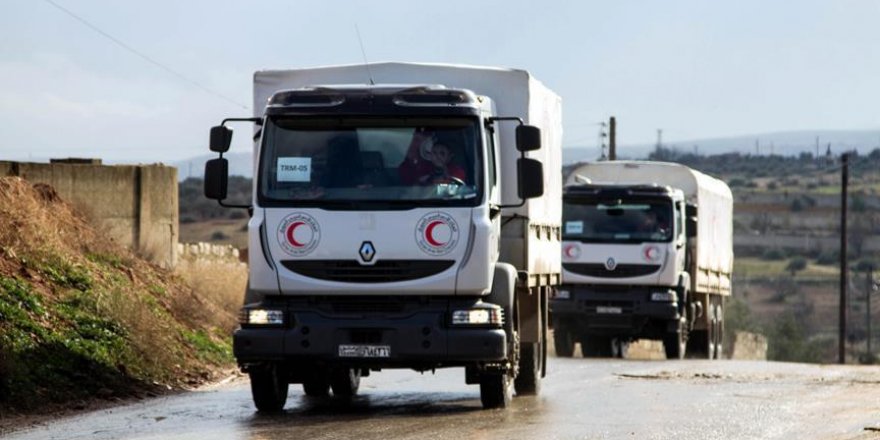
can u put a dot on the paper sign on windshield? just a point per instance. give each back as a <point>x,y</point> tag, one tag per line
<point>574,227</point>
<point>294,169</point>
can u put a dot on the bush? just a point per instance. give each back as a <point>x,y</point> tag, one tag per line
<point>865,265</point>
<point>773,254</point>
<point>219,235</point>
<point>828,258</point>
<point>796,265</point>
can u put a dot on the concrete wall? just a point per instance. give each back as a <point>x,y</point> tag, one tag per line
<point>136,204</point>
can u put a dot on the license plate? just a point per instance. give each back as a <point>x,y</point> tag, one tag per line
<point>365,351</point>
<point>609,310</point>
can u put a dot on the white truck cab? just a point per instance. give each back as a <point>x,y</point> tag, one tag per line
<point>394,226</point>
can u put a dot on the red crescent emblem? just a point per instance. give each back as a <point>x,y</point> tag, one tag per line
<point>429,233</point>
<point>290,230</point>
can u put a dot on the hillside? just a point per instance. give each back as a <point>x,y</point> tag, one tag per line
<point>82,318</point>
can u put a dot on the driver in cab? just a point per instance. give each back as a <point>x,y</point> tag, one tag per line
<point>437,168</point>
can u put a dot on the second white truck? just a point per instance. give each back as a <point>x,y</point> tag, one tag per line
<point>647,253</point>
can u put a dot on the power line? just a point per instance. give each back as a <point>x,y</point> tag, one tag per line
<point>145,57</point>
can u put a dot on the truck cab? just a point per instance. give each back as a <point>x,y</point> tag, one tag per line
<point>642,258</point>
<point>377,213</point>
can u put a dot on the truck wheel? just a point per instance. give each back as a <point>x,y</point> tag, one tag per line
<point>563,342</point>
<point>268,388</point>
<point>719,328</point>
<point>345,381</point>
<point>674,343</point>
<point>596,347</point>
<point>316,387</point>
<point>528,381</point>
<point>698,346</point>
<point>495,390</point>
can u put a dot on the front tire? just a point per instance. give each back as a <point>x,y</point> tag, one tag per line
<point>563,342</point>
<point>495,390</point>
<point>528,381</point>
<point>269,389</point>
<point>674,344</point>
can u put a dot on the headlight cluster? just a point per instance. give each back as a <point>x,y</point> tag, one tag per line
<point>261,317</point>
<point>478,317</point>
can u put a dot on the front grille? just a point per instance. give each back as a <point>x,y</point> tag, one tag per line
<point>621,271</point>
<point>351,271</point>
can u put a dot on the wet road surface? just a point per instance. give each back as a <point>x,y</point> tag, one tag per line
<point>581,399</point>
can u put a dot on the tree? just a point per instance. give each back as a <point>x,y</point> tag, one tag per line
<point>796,265</point>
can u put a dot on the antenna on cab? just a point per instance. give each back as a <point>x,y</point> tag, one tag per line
<point>364,53</point>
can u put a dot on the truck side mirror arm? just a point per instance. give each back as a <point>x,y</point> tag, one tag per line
<point>530,172</point>
<point>217,170</point>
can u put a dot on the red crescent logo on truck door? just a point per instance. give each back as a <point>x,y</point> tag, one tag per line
<point>299,234</point>
<point>429,233</point>
<point>437,234</point>
<point>291,234</point>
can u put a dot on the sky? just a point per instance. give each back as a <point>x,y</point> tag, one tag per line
<point>696,69</point>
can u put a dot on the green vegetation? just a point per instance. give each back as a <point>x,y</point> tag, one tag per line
<point>81,318</point>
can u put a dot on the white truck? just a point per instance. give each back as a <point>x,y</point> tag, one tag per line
<point>647,253</point>
<point>402,224</point>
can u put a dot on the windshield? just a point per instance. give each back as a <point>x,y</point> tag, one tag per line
<point>631,222</point>
<point>370,159</point>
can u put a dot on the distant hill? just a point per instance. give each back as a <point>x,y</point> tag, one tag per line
<point>786,143</point>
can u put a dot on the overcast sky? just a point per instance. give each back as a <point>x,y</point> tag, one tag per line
<point>696,68</point>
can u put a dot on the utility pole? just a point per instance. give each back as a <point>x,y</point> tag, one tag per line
<point>844,178</point>
<point>659,138</point>
<point>869,287</point>
<point>612,139</point>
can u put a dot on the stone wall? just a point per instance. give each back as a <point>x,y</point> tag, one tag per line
<point>136,204</point>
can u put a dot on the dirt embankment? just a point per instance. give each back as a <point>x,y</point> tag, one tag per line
<point>82,319</point>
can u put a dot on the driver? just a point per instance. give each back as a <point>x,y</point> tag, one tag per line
<point>439,169</point>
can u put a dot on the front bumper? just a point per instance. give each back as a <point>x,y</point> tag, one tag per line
<point>416,334</point>
<point>600,310</point>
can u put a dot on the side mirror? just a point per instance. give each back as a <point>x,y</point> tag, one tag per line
<point>221,138</point>
<point>528,138</point>
<point>690,226</point>
<point>530,176</point>
<point>216,178</point>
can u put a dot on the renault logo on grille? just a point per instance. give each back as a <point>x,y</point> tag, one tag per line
<point>610,264</point>
<point>367,251</point>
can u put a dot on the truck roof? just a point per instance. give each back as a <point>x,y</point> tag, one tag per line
<point>693,183</point>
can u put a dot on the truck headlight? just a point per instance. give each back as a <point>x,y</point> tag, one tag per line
<point>482,316</point>
<point>261,317</point>
<point>668,296</point>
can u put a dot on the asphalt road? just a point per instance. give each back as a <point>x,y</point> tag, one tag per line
<point>581,399</point>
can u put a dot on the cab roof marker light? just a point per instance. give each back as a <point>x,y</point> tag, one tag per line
<point>310,97</point>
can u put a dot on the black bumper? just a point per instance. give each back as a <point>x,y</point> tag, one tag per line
<point>614,311</point>
<point>416,334</point>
